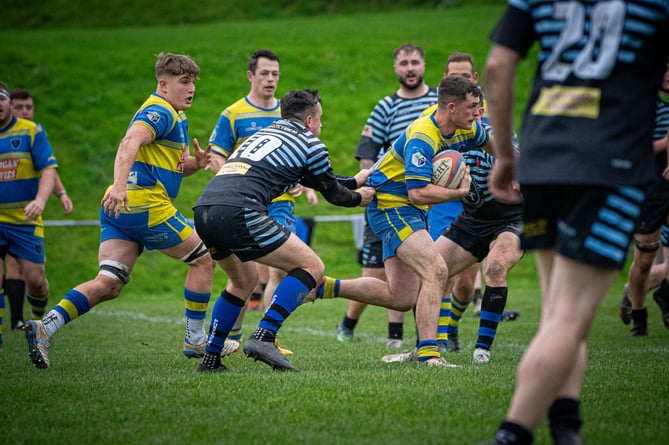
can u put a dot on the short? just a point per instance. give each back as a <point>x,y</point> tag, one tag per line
<point>371,255</point>
<point>476,235</point>
<point>247,233</point>
<point>394,225</point>
<point>590,224</point>
<point>283,212</point>
<point>655,209</point>
<point>440,216</point>
<point>167,234</point>
<point>26,242</point>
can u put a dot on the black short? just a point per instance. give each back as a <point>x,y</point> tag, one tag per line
<point>371,255</point>
<point>593,225</point>
<point>476,235</point>
<point>655,209</point>
<point>247,233</point>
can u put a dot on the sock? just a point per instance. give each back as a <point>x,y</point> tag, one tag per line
<point>38,305</point>
<point>211,361</point>
<point>458,308</point>
<point>288,296</point>
<point>195,312</point>
<point>16,294</point>
<point>492,306</point>
<point>395,331</point>
<point>663,290</point>
<point>444,319</point>
<point>510,433</point>
<point>427,349</point>
<point>74,304</point>
<point>235,334</point>
<point>223,317</point>
<point>256,296</point>
<point>349,323</point>
<point>328,288</point>
<point>564,414</point>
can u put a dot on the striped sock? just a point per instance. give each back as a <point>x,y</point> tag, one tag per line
<point>492,306</point>
<point>195,312</point>
<point>458,308</point>
<point>427,349</point>
<point>38,305</point>
<point>444,319</point>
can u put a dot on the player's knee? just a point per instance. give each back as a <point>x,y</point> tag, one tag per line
<point>115,270</point>
<point>199,256</point>
<point>494,272</point>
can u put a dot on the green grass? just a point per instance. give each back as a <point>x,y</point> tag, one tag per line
<point>118,375</point>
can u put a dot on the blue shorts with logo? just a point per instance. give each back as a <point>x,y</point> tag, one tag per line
<point>22,242</point>
<point>394,225</point>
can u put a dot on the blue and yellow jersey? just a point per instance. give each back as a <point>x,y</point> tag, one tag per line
<point>155,177</point>
<point>25,153</point>
<point>408,163</point>
<point>239,121</point>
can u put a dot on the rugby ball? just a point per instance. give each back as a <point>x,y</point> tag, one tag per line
<point>448,168</point>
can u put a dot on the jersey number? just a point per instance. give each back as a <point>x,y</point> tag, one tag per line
<point>259,148</point>
<point>598,55</point>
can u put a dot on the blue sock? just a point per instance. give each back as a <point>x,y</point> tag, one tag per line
<point>223,317</point>
<point>288,296</point>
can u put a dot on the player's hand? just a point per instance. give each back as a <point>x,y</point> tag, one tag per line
<point>200,155</point>
<point>502,181</point>
<point>33,209</point>
<point>66,202</point>
<point>115,200</point>
<point>465,184</point>
<point>362,176</point>
<point>367,194</point>
<point>311,195</point>
<point>296,191</point>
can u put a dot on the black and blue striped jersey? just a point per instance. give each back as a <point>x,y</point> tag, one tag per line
<point>271,162</point>
<point>660,130</point>
<point>389,118</point>
<point>591,110</point>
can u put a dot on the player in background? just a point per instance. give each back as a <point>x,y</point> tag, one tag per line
<point>137,211</point>
<point>232,216</point>
<point>416,274</point>
<point>236,123</point>
<point>389,118</point>
<point>23,106</point>
<point>654,214</point>
<point>27,177</point>
<point>579,209</point>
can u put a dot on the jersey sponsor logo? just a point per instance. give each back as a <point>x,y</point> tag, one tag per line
<point>15,143</point>
<point>8,169</point>
<point>153,116</point>
<point>568,101</point>
<point>418,159</point>
<point>234,168</point>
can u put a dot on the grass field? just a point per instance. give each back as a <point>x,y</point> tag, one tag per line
<point>118,376</point>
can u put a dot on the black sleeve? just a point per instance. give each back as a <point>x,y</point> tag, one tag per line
<point>336,189</point>
<point>515,31</point>
<point>367,149</point>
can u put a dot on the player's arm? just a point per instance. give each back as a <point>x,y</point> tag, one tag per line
<point>435,194</point>
<point>215,159</point>
<point>338,189</point>
<point>194,163</point>
<point>61,193</point>
<point>500,71</point>
<point>116,197</point>
<point>34,208</point>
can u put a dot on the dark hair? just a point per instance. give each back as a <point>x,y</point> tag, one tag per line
<point>3,86</point>
<point>409,48</point>
<point>455,89</point>
<point>266,53</point>
<point>460,57</point>
<point>298,104</point>
<point>20,94</point>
